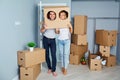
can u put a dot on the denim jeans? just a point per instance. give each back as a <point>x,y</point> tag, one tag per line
<point>50,43</point>
<point>64,49</point>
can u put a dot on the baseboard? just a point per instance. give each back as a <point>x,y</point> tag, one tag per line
<point>16,78</point>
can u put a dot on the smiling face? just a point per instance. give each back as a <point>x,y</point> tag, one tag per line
<point>52,15</point>
<point>63,16</point>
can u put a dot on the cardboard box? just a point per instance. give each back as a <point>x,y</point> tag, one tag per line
<point>104,50</point>
<point>57,23</point>
<point>27,58</point>
<point>30,73</point>
<point>78,49</point>
<point>94,64</point>
<point>79,39</point>
<point>111,61</point>
<point>106,38</point>
<point>80,24</point>
<point>74,59</point>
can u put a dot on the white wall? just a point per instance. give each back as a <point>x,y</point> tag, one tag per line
<point>95,9</point>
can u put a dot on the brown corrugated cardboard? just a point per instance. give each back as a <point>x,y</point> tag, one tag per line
<point>30,73</point>
<point>106,38</point>
<point>79,39</point>
<point>27,58</point>
<point>111,61</point>
<point>94,64</point>
<point>80,24</point>
<point>78,49</point>
<point>104,50</point>
<point>57,23</point>
<point>74,59</point>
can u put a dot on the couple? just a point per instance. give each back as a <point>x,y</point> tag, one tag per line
<point>63,43</point>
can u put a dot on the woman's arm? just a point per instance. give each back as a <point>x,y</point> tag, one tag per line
<point>70,28</point>
<point>43,29</point>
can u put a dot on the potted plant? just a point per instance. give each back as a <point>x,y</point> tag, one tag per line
<point>31,46</point>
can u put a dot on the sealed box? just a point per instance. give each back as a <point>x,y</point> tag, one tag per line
<point>27,58</point>
<point>78,49</point>
<point>111,61</point>
<point>104,50</point>
<point>74,59</point>
<point>106,38</point>
<point>57,22</point>
<point>79,39</point>
<point>80,24</point>
<point>30,73</point>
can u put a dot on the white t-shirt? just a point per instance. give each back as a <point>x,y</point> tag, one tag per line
<point>64,34</point>
<point>49,33</point>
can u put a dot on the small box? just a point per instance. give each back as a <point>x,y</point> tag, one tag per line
<point>80,24</point>
<point>79,39</point>
<point>30,73</point>
<point>106,38</point>
<point>104,50</point>
<point>111,61</point>
<point>57,23</point>
<point>27,58</point>
<point>94,64</point>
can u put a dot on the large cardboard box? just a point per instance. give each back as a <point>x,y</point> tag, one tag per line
<point>80,24</point>
<point>79,39</point>
<point>27,58</point>
<point>78,49</point>
<point>104,50</point>
<point>106,38</point>
<point>57,23</point>
<point>30,73</point>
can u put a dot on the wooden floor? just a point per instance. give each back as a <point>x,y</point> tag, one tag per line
<point>81,72</point>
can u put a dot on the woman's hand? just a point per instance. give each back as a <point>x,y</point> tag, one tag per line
<point>57,31</point>
<point>44,27</point>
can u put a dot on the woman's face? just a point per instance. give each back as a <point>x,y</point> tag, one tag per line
<point>52,16</point>
<point>62,16</point>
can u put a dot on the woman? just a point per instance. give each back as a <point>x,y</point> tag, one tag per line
<point>64,39</point>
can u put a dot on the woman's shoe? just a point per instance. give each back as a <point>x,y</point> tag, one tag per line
<point>65,72</point>
<point>63,69</point>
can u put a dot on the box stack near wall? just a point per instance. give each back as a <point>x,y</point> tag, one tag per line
<point>30,63</point>
<point>106,39</point>
<point>79,44</point>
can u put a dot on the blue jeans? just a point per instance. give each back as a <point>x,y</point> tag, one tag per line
<point>50,43</point>
<point>64,49</point>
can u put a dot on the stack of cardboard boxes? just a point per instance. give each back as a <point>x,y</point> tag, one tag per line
<point>106,39</point>
<point>79,45</point>
<point>30,63</point>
